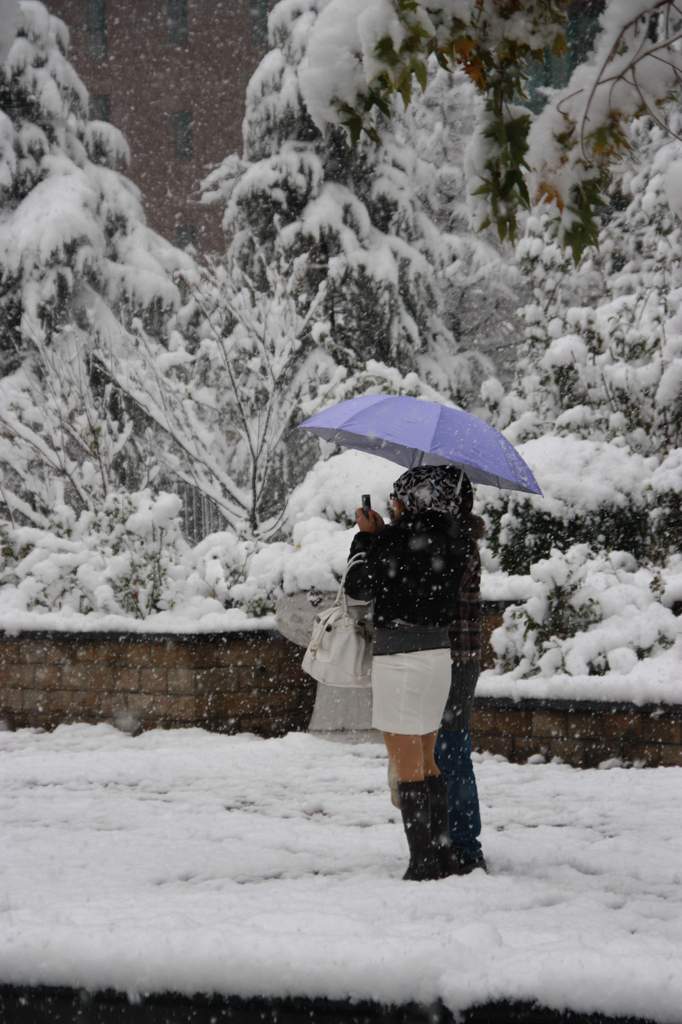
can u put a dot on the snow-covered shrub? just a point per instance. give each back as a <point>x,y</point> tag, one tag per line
<point>66,438</point>
<point>333,488</point>
<point>589,614</point>
<point>218,564</point>
<point>666,515</point>
<point>595,492</point>
<point>126,558</point>
<point>317,523</point>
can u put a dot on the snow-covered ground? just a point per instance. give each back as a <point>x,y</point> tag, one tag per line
<point>189,861</point>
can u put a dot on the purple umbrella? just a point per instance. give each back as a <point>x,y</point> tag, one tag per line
<point>416,433</point>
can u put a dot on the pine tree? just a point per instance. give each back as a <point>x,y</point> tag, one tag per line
<point>603,342</point>
<point>74,246</point>
<point>363,245</point>
<point>80,272</point>
<point>479,277</point>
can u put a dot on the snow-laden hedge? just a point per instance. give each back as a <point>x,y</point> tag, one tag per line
<point>601,582</point>
<point>589,614</point>
<point>595,492</point>
<point>122,559</point>
<point>129,560</point>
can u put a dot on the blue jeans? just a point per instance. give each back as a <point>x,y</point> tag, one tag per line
<point>453,757</point>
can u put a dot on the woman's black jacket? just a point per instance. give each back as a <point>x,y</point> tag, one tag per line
<point>412,569</point>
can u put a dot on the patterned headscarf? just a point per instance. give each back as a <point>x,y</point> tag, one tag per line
<point>437,488</point>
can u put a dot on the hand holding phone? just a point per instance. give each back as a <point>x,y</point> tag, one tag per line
<point>367,519</point>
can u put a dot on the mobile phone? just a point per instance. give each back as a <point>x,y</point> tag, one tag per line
<point>366,504</point>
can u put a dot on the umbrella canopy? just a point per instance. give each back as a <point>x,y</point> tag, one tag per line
<point>416,433</point>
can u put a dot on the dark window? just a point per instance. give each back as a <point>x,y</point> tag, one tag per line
<point>178,27</point>
<point>182,134</point>
<point>97,28</point>
<point>259,23</point>
<point>185,234</point>
<point>100,108</point>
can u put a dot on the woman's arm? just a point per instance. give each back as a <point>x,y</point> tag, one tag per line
<point>361,579</point>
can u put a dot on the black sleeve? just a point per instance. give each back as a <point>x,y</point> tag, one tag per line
<point>362,580</point>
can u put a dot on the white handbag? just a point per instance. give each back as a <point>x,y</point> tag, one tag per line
<point>340,650</point>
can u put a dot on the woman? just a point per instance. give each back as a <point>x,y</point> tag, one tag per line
<point>412,571</point>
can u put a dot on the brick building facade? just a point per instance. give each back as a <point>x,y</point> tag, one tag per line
<point>171,74</point>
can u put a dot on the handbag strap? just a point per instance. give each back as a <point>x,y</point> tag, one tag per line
<point>341,596</point>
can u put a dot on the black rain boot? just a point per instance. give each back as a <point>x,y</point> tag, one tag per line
<point>416,812</point>
<point>440,832</point>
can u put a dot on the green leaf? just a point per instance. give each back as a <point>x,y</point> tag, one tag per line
<point>385,52</point>
<point>404,87</point>
<point>421,73</point>
<point>523,192</point>
<point>380,101</point>
<point>354,125</point>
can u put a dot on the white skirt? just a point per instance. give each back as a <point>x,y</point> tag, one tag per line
<point>409,691</point>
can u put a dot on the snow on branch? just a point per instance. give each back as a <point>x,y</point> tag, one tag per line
<point>636,69</point>
<point>360,54</point>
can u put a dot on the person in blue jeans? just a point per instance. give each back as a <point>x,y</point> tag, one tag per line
<point>453,743</point>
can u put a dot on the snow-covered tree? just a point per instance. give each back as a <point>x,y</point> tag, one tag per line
<point>597,409</point>
<point>352,223</point>
<point>480,280</point>
<point>74,246</point>
<point>363,52</point>
<point>603,354</point>
<point>226,395</point>
<point>65,435</point>
<point>79,272</point>
<point>602,361</point>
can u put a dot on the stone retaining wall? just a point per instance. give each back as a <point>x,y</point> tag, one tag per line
<point>252,682</point>
<point>235,682</point>
<point>582,733</point>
